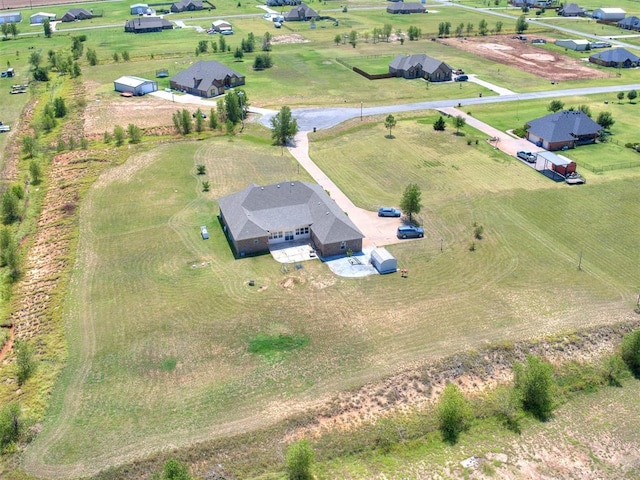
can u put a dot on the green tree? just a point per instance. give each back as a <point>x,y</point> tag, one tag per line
<point>75,70</point>
<point>460,29</point>
<point>299,461</point>
<point>499,26</point>
<point>535,386</point>
<point>630,351</point>
<point>586,110</point>
<point>40,74</point>
<point>386,31</point>
<point>337,39</point>
<point>232,106</point>
<point>284,126</point>
<point>116,57</point>
<point>353,38</point>
<point>118,135</point>
<point>203,46</point>
<point>454,413</point>
<point>222,43</point>
<point>390,122</point>
<point>47,28</point>
<point>10,207</point>
<point>459,122</point>
<point>175,470</point>
<point>34,59</point>
<point>555,106</point>
<point>201,169</point>
<point>6,242</point>
<point>92,57</point>
<point>521,25</point>
<point>4,28</point>
<point>266,42</point>
<point>59,107</point>
<point>483,27</point>
<point>213,119</point>
<point>205,185</point>
<point>185,121</point>
<point>632,95</point>
<point>25,361</point>
<point>620,96</point>
<point>29,145</point>
<point>135,133</point>
<point>10,423</point>
<point>411,201</point>
<point>125,56</point>
<point>469,28</point>
<point>35,172</point>
<point>439,125</point>
<point>199,121</point>
<point>605,120</point>
<point>13,30</point>
<point>238,54</point>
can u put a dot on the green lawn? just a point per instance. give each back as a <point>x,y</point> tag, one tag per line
<point>162,323</point>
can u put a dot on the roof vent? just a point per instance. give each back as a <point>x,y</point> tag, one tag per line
<point>292,184</point>
<point>261,188</point>
<point>278,186</point>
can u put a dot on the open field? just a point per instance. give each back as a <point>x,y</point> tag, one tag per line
<point>171,354</point>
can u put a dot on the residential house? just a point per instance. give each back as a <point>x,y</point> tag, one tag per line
<point>258,217</point>
<point>186,6</point>
<point>618,57</point>
<point>206,79</point>
<point>571,10</point>
<point>630,23</point>
<point>579,45</point>
<point>609,14</point>
<point>420,66</point>
<point>76,14</point>
<point>40,17</point>
<point>301,13</point>
<point>135,85</point>
<point>147,25</point>
<point>564,129</point>
<point>406,8</point>
<point>280,3</point>
<point>10,17</point>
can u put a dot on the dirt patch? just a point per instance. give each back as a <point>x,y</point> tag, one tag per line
<point>290,38</point>
<point>525,56</point>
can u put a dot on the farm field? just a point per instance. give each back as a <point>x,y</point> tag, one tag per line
<point>172,353</point>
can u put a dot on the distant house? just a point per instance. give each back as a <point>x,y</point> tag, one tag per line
<point>618,57</point>
<point>420,66</point>
<point>402,7</point>
<point>76,14</point>
<point>206,79</point>
<point>11,17</point>
<point>630,23</point>
<point>40,17</point>
<point>258,217</point>
<point>135,85</point>
<point>301,13</point>
<point>521,3</point>
<point>147,25</point>
<point>186,6</point>
<point>609,14</point>
<point>221,25</point>
<point>280,3</point>
<point>577,45</point>
<point>565,129</point>
<point>571,10</point>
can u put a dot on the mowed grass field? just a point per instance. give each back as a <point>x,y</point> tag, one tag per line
<point>162,323</point>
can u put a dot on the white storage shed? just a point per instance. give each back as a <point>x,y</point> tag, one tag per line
<point>383,261</point>
<point>40,17</point>
<point>609,14</point>
<point>578,45</point>
<point>135,85</point>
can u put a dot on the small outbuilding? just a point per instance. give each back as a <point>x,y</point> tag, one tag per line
<point>221,25</point>
<point>11,17</point>
<point>135,85</point>
<point>557,163</point>
<point>40,17</point>
<point>578,45</point>
<point>383,261</point>
<point>609,14</point>
<point>139,9</point>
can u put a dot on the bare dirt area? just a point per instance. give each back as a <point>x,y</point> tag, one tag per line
<point>525,56</point>
<point>147,112</point>
<point>290,38</point>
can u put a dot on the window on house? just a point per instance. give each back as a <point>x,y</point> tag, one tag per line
<point>343,245</point>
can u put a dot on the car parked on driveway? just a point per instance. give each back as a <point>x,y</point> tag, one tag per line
<point>410,231</point>
<point>388,212</point>
<point>527,156</point>
<point>461,78</point>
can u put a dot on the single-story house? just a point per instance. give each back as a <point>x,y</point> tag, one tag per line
<point>402,7</point>
<point>40,17</point>
<point>206,79</point>
<point>521,3</point>
<point>135,85</point>
<point>280,3</point>
<point>147,25</point>
<point>630,23</point>
<point>564,129</point>
<point>578,45</point>
<point>420,66</point>
<point>617,57</point>
<point>221,25</point>
<point>10,17</point>
<point>383,261</point>
<point>301,13</point>
<point>571,10</point>
<point>260,216</point>
<point>76,14</point>
<point>186,6</point>
<point>557,163</point>
<point>139,9</point>
<point>609,14</point>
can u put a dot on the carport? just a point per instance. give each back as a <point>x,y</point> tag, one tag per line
<point>556,167</point>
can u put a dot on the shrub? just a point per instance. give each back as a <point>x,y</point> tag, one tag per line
<point>454,413</point>
<point>631,352</point>
<point>535,386</point>
<point>25,361</point>
<point>299,460</point>
<point>10,424</point>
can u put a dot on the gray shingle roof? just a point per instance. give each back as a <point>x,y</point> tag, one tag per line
<point>142,23</point>
<point>413,7</point>
<point>302,11</point>
<point>204,74</point>
<point>256,211</point>
<point>572,8</point>
<point>632,22</point>
<point>405,62</point>
<point>617,55</point>
<point>563,126</point>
